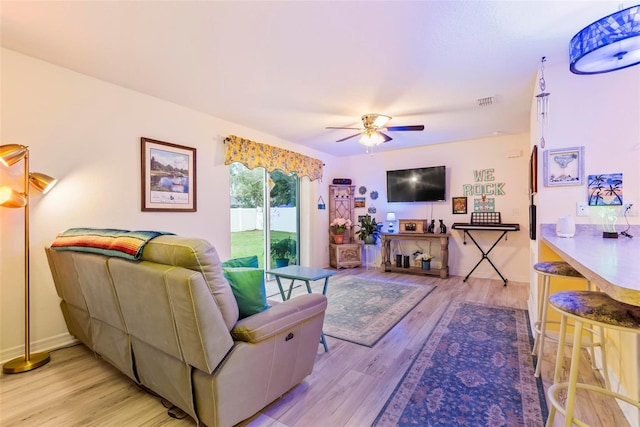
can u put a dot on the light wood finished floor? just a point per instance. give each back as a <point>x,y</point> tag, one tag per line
<point>348,387</point>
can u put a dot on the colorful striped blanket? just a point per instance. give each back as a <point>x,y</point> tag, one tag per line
<point>105,241</point>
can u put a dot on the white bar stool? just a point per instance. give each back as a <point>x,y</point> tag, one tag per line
<point>548,270</point>
<point>596,308</point>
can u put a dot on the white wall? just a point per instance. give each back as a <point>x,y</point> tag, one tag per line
<point>87,133</point>
<point>602,113</point>
<point>461,160</point>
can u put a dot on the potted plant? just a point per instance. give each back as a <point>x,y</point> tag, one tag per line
<point>338,227</point>
<point>283,250</point>
<point>423,259</point>
<point>369,230</point>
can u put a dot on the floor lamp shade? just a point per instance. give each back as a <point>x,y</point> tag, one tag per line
<point>10,154</point>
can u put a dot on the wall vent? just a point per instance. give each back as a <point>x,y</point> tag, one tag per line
<point>486,101</point>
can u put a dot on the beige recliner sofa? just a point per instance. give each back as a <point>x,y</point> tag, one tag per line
<point>170,322</point>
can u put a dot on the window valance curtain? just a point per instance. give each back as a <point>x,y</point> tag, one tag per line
<point>255,154</point>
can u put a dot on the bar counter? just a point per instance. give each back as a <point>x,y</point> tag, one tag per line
<point>611,264</point>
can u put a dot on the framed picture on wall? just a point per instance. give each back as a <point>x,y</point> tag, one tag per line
<point>459,205</point>
<point>168,177</point>
<point>533,171</point>
<point>564,166</point>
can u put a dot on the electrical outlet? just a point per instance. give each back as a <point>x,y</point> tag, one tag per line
<point>630,208</point>
<point>582,209</point>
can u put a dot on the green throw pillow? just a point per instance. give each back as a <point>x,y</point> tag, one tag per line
<point>247,285</point>
<point>248,261</point>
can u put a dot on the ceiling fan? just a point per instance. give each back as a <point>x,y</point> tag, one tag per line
<point>374,124</point>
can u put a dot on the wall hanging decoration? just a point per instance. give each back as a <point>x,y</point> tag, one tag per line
<point>360,202</point>
<point>564,166</point>
<point>362,189</point>
<point>605,189</point>
<point>371,210</point>
<point>533,171</point>
<point>543,103</point>
<point>168,177</point>
<point>373,195</point>
<point>459,205</point>
<point>485,184</point>
<point>321,204</point>
<point>609,44</point>
<point>342,181</point>
<point>486,204</point>
<point>533,190</point>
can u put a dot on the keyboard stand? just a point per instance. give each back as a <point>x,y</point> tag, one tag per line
<point>467,228</point>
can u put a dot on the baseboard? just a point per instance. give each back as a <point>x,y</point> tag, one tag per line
<point>47,344</point>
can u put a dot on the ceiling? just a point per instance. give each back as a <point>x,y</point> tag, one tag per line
<point>291,68</point>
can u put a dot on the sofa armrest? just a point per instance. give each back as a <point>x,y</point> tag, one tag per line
<point>279,318</point>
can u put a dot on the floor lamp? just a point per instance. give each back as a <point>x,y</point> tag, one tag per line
<point>11,154</point>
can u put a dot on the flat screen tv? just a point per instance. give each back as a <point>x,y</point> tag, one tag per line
<point>416,185</point>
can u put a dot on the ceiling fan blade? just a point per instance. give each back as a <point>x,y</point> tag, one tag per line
<point>336,127</point>
<point>386,137</point>
<point>349,137</point>
<point>411,127</point>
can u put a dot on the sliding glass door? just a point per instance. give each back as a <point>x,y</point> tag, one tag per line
<point>270,233</point>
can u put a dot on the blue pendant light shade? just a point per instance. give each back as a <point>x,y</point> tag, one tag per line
<point>609,44</point>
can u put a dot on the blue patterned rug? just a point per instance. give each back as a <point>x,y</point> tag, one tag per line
<point>475,369</point>
<point>363,310</point>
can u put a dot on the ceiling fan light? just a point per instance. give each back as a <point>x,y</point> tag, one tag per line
<point>609,44</point>
<point>371,138</point>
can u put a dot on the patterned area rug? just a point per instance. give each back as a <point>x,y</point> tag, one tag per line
<point>475,369</point>
<point>363,310</point>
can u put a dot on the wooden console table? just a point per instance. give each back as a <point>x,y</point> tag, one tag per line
<point>387,264</point>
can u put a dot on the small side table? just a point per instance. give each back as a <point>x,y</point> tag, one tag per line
<point>305,274</point>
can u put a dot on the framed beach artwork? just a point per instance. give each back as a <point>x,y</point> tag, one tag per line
<point>168,177</point>
<point>564,167</point>
<point>605,189</point>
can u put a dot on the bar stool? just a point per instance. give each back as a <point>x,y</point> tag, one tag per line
<point>596,308</point>
<point>548,270</point>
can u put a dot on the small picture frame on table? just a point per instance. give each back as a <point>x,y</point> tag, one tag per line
<point>168,177</point>
<point>564,166</point>
<point>459,205</point>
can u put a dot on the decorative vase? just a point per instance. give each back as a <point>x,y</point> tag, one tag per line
<point>426,265</point>
<point>406,261</point>
<point>338,239</point>
<point>398,260</point>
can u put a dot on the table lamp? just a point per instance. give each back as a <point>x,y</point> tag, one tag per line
<point>391,217</point>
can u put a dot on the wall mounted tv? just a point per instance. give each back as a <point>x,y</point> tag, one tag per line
<point>416,185</point>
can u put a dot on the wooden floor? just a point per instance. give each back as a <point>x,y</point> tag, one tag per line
<point>348,387</point>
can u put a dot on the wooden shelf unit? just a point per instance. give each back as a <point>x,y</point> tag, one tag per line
<point>389,265</point>
<point>342,205</point>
